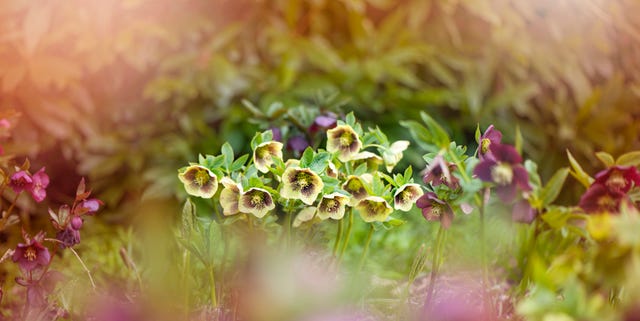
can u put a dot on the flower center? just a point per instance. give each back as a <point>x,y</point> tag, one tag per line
<point>484,145</point>
<point>331,205</point>
<point>202,177</point>
<point>502,174</point>
<point>346,139</point>
<point>30,254</point>
<point>263,153</point>
<point>607,202</point>
<point>256,199</point>
<point>616,181</point>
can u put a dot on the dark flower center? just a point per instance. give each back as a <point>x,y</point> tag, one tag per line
<point>30,254</point>
<point>256,199</point>
<point>331,205</point>
<point>502,174</point>
<point>202,177</point>
<point>346,139</point>
<point>374,208</point>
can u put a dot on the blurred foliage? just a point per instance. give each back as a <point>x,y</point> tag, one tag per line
<point>126,91</point>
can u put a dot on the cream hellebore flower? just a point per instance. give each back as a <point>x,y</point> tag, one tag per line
<point>199,181</point>
<point>370,158</point>
<point>393,154</point>
<point>354,185</point>
<point>344,140</point>
<point>406,196</point>
<point>305,215</point>
<point>263,155</point>
<point>332,206</point>
<point>302,184</point>
<point>374,208</point>
<point>230,196</point>
<point>256,201</point>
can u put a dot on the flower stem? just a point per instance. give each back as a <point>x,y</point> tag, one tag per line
<point>336,243</point>
<point>365,252</point>
<point>483,255</point>
<point>212,281</point>
<point>435,266</point>
<point>348,234</point>
<point>93,284</point>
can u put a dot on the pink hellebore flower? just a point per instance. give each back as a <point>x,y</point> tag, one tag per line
<point>38,188</point>
<point>31,255</point>
<point>20,181</point>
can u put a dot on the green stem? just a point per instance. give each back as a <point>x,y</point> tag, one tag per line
<point>186,264</point>
<point>347,236</point>
<point>212,280</point>
<point>336,243</point>
<point>435,266</point>
<point>365,252</point>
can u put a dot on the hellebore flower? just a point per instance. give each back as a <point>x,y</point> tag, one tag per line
<point>68,237</point>
<point>344,140</point>
<point>297,143</point>
<point>256,201</point>
<point>393,154</point>
<point>505,170</point>
<point>264,153</point>
<point>372,160</point>
<point>522,212</point>
<point>435,209</point>
<point>199,181</point>
<point>40,181</point>
<point>332,206</point>
<point>374,208</point>
<point>20,181</point>
<point>305,215</point>
<point>31,255</point>
<point>599,198</point>
<point>439,172</point>
<point>490,137</point>
<point>323,122</point>
<point>302,184</point>
<point>354,185</point>
<point>619,178</point>
<point>230,196</point>
<point>405,196</point>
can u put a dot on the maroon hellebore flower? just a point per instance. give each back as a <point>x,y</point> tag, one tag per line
<point>522,212</point>
<point>434,209</point>
<point>31,255</point>
<point>297,143</point>
<point>439,172</point>
<point>20,181</point>
<point>490,137</point>
<point>599,198</point>
<point>504,169</point>
<point>69,236</point>
<point>619,178</point>
<point>323,122</point>
<point>38,187</point>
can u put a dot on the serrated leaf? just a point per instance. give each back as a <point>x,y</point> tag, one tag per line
<point>238,163</point>
<point>319,162</point>
<point>578,173</point>
<point>551,191</point>
<point>605,158</point>
<point>307,157</point>
<point>629,159</point>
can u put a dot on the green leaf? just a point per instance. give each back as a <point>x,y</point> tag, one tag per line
<point>307,157</point>
<point>629,159</point>
<point>518,142</point>
<point>420,134</point>
<point>227,152</point>
<point>478,133</point>
<point>408,174</point>
<point>578,173</point>
<point>351,119</point>
<point>188,214</point>
<point>238,163</point>
<point>556,217</point>
<point>605,158</point>
<point>551,191</point>
<point>320,162</point>
<point>532,169</point>
<point>440,136</point>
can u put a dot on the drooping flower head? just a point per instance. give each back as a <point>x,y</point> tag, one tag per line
<point>343,140</point>
<point>393,154</point>
<point>264,153</point>
<point>619,178</point>
<point>435,209</point>
<point>490,136</point>
<point>374,209</point>
<point>372,160</point>
<point>230,196</point>
<point>439,172</point>
<point>354,185</point>
<point>599,198</point>
<point>302,184</point>
<point>332,206</point>
<point>199,181</point>
<point>68,237</point>
<point>40,181</point>
<point>20,181</point>
<point>522,212</point>
<point>256,201</point>
<point>406,196</point>
<point>505,170</point>
<point>305,215</point>
<point>31,255</point>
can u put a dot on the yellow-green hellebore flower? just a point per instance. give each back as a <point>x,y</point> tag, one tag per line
<point>344,140</point>
<point>372,160</point>
<point>393,155</point>
<point>263,155</point>
<point>230,196</point>
<point>354,185</point>
<point>332,206</point>
<point>302,184</point>
<point>374,209</point>
<point>305,215</point>
<point>256,201</point>
<point>406,196</point>
<point>199,181</point>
